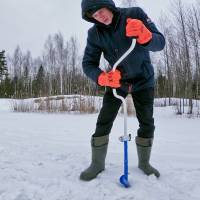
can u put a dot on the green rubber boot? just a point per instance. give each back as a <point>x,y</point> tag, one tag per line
<point>144,146</point>
<point>99,150</point>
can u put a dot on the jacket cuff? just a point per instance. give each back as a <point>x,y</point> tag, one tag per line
<point>157,43</point>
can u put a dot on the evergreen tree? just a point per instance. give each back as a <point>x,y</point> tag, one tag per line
<point>7,88</point>
<point>3,65</point>
<point>39,82</point>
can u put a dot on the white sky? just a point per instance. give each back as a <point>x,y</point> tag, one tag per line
<point>28,23</point>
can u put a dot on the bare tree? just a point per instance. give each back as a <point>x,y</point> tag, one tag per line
<point>66,67</point>
<point>73,63</point>
<point>17,65</point>
<point>26,66</point>
<point>17,62</point>
<point>181,19</point>
<point>59,48</point>
<point>192,25</point>
<point>166,28</point>
<point>49,60</point>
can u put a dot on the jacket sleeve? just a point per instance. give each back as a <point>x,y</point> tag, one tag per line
<point>157,42</point>
<point>92,55</point>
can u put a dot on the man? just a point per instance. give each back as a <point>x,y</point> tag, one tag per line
<point>111,35</point>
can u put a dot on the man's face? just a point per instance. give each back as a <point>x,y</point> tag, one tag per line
<point>103,15</point>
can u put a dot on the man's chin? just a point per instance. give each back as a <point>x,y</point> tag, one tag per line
<point>107,22</point>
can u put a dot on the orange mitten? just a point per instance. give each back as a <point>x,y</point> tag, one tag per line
<point>136,28</point>
<point>110,79</point>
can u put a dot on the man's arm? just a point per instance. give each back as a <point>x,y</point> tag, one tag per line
<point>157,43</point>
<point>92,57</point>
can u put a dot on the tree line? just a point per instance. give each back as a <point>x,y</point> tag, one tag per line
<point>57,72</point>
<point>178,72</point>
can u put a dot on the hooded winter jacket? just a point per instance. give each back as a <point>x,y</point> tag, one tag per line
<point>111,40</point>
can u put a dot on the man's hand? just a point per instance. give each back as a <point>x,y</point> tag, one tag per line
<point>110,79</point>
<point>136,28</point>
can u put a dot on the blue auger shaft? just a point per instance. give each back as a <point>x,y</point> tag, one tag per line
<point>126,159</point>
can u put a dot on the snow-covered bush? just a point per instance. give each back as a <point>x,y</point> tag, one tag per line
<point>71,103</point>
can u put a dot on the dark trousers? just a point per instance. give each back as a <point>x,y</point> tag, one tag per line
<point>143,102</point>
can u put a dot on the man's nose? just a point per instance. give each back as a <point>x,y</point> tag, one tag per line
<point>101,17</point>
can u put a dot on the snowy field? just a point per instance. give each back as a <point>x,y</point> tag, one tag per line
<point>42,155</point>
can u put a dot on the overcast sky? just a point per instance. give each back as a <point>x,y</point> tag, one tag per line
<point>28,23</point>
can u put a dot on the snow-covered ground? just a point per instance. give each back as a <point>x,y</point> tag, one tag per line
<point>42,155</point>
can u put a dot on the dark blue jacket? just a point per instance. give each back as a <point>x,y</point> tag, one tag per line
<point>111,40</point>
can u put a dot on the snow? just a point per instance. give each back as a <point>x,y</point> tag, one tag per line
<point>42,155</point>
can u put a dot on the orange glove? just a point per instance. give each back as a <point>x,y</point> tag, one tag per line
<point>136,28</point>
<point>110,79</point>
